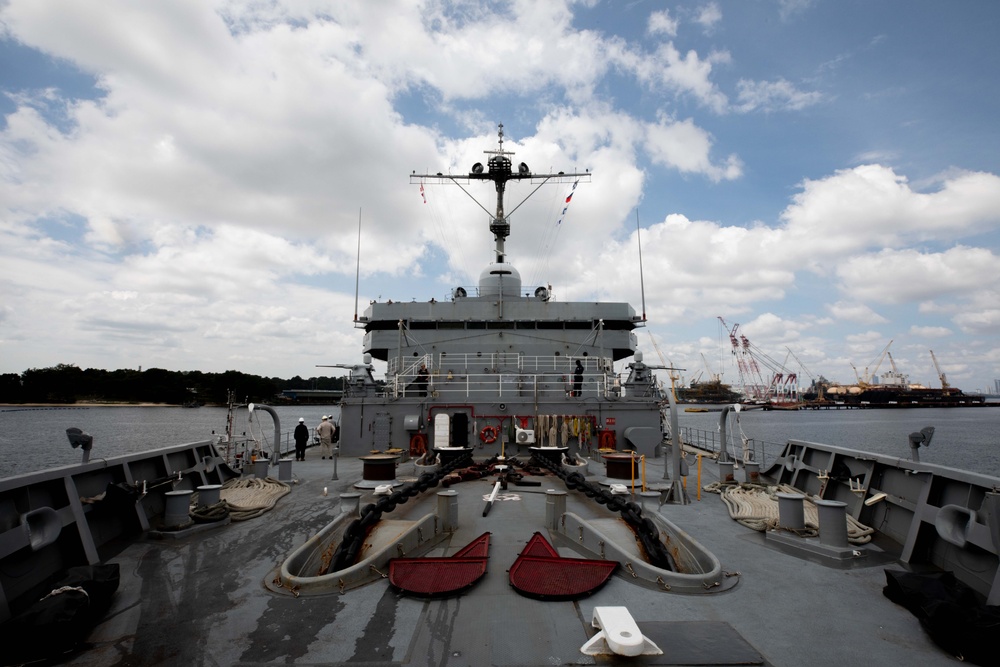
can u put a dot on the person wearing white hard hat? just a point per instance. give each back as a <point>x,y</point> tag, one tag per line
<point>301,438</point>
<point>325,432</point>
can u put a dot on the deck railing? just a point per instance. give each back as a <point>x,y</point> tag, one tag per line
<point>504,376</point>
<point>761,451</point>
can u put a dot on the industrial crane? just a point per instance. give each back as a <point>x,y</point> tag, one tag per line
<point>783,385</point>
<point>895,378</point>
<point>713,377</point>
<point>945,387</point>
<point>819,387</point>
<point>674,375</point>
<point>866,379</point>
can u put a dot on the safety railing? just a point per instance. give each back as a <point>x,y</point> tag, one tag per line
<point>760,451</point>
<point>498,362</point>
<point>502,386</point>
<point>504,376</point>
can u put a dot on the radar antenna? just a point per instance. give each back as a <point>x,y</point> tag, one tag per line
<point>499,169</point>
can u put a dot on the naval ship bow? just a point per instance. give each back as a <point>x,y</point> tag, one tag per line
<point>501,365</point>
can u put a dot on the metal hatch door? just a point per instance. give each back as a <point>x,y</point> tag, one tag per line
<point>382,431</point>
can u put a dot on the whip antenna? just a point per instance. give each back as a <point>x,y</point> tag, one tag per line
<point>642,282</point>
<point>357,272</point>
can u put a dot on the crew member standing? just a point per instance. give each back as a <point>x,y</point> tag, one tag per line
<point>578,378</point>
<point>325,431</point>
<point>301,438</point>
<point>423,375</point>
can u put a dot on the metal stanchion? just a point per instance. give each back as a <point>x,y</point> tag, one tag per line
<point>336,456</point>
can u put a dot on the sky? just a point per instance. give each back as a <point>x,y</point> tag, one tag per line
<point>186,185</point>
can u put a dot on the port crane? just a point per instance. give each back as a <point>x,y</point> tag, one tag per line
<point>945,387</point>
<point>712,377</point>
<point>895,378</point>
<point>819,387</point>
<point>669,365</point>
<point>866,379</point>
<point>782,387</point>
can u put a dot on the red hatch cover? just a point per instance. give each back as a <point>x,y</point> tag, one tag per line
<point>478,547</point>
<point>539,572</point>
<point>539,547</point>
<point>439,577</point>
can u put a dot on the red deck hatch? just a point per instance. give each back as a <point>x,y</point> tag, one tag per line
<point>440,577</point>
<point>539,572</point>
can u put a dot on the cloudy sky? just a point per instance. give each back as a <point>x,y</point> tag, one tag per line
<point>181,183</point>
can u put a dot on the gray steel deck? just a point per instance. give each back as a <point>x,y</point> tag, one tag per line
<point>202,600</point>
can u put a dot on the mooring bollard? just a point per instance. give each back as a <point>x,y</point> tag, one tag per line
<point>726,472</point>
<point>555,507</point>
<point>791,511</point>
<point>209,494</point>
<point>350,503</point>
<point>832,522</point>
<point>285,470</point>
<point>178,504</point>
<point>447,509</point>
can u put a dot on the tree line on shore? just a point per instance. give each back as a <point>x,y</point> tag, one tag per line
<point>67,383</point>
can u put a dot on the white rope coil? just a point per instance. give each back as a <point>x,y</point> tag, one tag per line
<point>756,507</point>
<point>249,498</point>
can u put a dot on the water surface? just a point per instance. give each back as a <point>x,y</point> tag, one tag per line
<point>35,438</point>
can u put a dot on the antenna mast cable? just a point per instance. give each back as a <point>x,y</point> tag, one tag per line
<point>357,271</point>
<point>642,282</point>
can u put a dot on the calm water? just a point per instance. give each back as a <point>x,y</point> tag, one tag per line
<point>966,438</point>
<point>35,438</point>
<point>32,439</point>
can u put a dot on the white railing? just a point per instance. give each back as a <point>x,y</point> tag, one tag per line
<point>500,362</point>
<point>506,376</point>
<point>505,386</point>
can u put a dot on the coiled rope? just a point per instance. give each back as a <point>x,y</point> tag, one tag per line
<point>240,499</point>
<point>756,507</point>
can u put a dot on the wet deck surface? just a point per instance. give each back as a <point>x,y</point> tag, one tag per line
<point>202,600</point>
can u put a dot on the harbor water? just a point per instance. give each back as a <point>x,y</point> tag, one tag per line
<point>35,438</point>
<point>964,438</point>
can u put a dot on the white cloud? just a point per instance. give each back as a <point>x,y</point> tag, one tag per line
<point>661,23</point>
<point>202,203</point>
<point>930,332</point>
<point>980,323</point>
<point>686,147</point>
<point>872,206</point>
<point>894,276</point>
<point>708,16</point>
<point>777,95</point>
<point>855,312</point>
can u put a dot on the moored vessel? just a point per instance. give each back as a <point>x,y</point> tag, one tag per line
<point>492,504</point>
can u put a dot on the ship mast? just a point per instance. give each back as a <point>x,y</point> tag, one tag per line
<point>499,169</point>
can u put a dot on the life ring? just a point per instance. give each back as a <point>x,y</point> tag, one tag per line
<point>607,440</point>
<point>418,444</point>
<point>489,434</point>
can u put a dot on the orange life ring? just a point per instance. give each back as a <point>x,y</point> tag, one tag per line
<point>607,440</point>
<point>418,444</point>
<point>489,434</point>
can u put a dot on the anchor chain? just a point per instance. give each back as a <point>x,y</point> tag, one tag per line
<point>354,535</point>
<point>645,530</point>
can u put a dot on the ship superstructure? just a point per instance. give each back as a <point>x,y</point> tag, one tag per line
<point>500,351</point>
